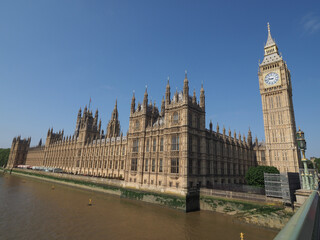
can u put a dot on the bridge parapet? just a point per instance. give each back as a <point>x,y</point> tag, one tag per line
<point>304,224</point>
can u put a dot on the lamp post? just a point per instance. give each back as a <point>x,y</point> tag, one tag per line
<point>303,146</point>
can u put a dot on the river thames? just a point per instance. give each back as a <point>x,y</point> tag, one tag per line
<point>30,209</point>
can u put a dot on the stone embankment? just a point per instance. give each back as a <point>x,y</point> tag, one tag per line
<point>270,215</point>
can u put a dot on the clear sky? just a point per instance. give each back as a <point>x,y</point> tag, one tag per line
<point>55,55</point>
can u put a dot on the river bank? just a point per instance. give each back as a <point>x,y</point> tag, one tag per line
<point>268,215</point>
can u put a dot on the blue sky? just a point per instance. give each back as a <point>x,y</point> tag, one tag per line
<point>55,55</point>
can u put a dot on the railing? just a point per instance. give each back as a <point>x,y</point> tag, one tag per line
<point>304,224</point>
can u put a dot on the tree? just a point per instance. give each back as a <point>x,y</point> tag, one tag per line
<point>317,164</point>
<point>255,175</point>
<point>4,156</point>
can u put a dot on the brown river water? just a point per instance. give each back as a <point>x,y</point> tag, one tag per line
<point>30,209</point>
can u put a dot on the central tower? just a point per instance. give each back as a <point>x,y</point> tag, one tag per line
<point>278,115</point>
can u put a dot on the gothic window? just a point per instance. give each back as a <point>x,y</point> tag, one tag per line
<point>175,117</point>
<point>78,163</point>
<point>137,125</point>
<point>153,167</point>
<point>160,165</point>
<point>198,144</point>
<point>135,147</point>
<point>154,146</point>
<point>123,150</point>
<point>147,147</point>
<point>198,122</point>
<point>222,169</point>
<point>146,166</point>
<point>122,164</point>
<point>175,143</point>
<point>133,164</point>
<point>116,165</point>
<point>174,165</point>
<point>199,166</point>
<point>161,144</point>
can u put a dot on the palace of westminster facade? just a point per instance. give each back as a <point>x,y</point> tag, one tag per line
<point>169,149</point>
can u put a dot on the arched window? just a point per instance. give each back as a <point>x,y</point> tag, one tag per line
<point>175,117</point>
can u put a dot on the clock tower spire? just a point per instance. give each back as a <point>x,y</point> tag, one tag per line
<point>279,122</point>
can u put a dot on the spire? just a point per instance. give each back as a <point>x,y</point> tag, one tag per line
<point>270,40</point>
<point>202,97</point>
<point>210,126</point>
<point>194,98</point>
<point>115,111</point>
<point>217,127</point>
<point>162,107</point>
<point>186,88</point>
<point>145,99</point>
<point>168,93</point>
<point>271,53</point>
<point>133,103</point>
<point>99,127</point>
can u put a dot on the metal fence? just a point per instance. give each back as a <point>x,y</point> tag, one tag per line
<point>281,185</point>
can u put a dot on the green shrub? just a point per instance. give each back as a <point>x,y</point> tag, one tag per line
<point>255,176</point>
<point>4,156</point>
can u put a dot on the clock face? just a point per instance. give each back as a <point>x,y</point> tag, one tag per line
<point>271,78</point>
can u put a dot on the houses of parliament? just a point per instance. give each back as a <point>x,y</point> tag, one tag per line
<point>170,149</point>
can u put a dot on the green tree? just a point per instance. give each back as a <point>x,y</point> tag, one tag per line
<point>317,164</point>
<point>4,156</point>
<point>255,175</point>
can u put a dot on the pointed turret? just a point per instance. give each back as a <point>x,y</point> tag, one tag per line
<point>133,103</point>
<point>95,120</point>
<point>99,127</point>
<point>210,126</point>
<point>162,107</point>
<point>168,93</point>
<point>202,98</point>
<point>186,88</point>
<point>249,139</point>
<point>145,99</point>
<point>194,98</point>
<point>217,127</point>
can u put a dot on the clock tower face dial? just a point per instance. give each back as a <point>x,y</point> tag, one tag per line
<point>271,78</point>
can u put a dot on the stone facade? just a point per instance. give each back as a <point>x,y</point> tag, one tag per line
<point>281,148</point>
<point>169,149</point>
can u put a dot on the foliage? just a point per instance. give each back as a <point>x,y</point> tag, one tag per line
<point>255,176</point>
<point>310,165</point>
<point>317,163</point>
<point>4,156</point>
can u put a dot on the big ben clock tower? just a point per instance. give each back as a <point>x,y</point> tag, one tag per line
<point>278,115</point>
